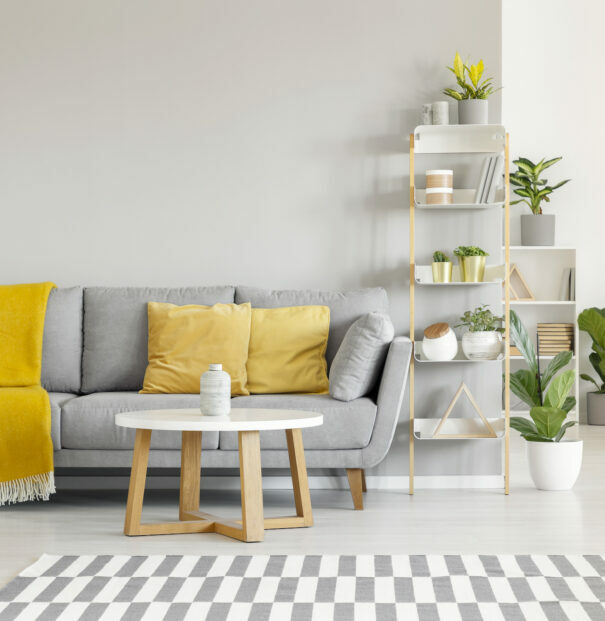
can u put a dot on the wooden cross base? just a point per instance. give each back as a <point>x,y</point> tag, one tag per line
<point>253,524</point>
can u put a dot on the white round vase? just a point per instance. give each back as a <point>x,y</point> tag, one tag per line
<point>482,345</point>
<point>554,466</point>
<point>442,348</point>
<point>215,391</point>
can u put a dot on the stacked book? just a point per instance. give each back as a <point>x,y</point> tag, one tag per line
<point>555,337</point>
<point>490,179</point>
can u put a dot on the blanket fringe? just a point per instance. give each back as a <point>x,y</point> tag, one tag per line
<point>35,487</point>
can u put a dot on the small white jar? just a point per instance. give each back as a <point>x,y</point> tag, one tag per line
<point>439,343</point>
<point>215,391</point>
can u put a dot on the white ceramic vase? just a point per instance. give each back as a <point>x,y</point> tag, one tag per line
<point>554,466</point>
<point>215,391</point>
<point>442,348</point>
<point>482,345</point>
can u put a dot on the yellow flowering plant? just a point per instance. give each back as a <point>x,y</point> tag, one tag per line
<point>469,80</point>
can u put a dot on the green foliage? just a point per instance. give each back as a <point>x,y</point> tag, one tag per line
<point>529,186</point>
<point>469,80</point>
<point>547,425</point>
<point>470,251</point>
<point>532,386</point>
<point>592,321</point>
<point>440,257</point>
<point>481,320</point>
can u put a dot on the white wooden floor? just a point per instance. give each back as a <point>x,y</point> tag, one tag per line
<point>433,521</point>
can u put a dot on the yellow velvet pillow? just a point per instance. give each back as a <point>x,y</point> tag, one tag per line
<point>184,340</point>
<point>287,350</point>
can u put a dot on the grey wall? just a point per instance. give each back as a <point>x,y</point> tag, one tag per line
<point>169,143</point>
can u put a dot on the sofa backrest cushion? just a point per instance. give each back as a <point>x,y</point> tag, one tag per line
<point>345,307</point>
<point>115,331</point>
<point>62,348</point>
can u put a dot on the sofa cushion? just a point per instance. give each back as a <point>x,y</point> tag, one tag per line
<point>360,356</point>
<point>57,401</point>
<point>88,422</point>
<point>62,349</point>
<point>346,425</point>
<point>345,307</point>
<point>115,331</point>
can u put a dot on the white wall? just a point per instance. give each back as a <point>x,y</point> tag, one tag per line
<point>175,143</point>
<point>553,98</point>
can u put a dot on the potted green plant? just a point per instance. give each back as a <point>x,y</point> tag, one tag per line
<point>592,321</point>
<point>471,260</point>
<point>554,461</point>
<point>442,267</point>
<point>483,340</point>
<point>473,93</point>
<point>537,228</point>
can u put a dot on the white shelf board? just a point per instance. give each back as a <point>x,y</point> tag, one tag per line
<point>424,428</point>
<point>541,357</point>
<point>460,357</point>
<point>463,199</point>
<point>494,275</point>
<point>459,139</point>
<point>562,248</point>
<point>542,302</point>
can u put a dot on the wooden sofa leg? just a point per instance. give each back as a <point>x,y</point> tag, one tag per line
<point>355,476</point>
<point>364,487</point>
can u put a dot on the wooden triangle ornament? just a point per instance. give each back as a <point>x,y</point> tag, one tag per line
<point>490,433</point>
<point>520,285</point>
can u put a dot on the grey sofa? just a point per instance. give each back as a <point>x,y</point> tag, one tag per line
<point>94,360</point>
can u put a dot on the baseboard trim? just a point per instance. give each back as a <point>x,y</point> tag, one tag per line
<point>381,482</point>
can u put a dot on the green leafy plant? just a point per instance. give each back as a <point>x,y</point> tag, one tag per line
<point>440,257</point>
<point>481,320</point>
<point>547,393</point>
<point>469,81</point>
<point>592,321</point>
<point>530,186</point>
<point>470,251</point>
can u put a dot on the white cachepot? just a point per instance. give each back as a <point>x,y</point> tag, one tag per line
<point>538,230</point>
<point>482,345</point>
<point>472,112</point>
<point>596,408</point>
<point>554,466</point>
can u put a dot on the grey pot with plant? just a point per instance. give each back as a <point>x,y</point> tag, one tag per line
<point>473,93</point>
<point>554,461</point>
<point>471,260</point>
<point>483,340</point>
<point>592,321</point>
<point>537,228</point>
<point>442,267</point>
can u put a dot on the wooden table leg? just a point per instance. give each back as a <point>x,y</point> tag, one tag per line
<point>253,524</point>
<point>300,482</point>
<point>191,455</point>
<point>136,489</point>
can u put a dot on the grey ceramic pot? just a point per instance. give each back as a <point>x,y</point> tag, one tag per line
<point>596,408</point>
<point>472,112</point>
<point>538,230</point>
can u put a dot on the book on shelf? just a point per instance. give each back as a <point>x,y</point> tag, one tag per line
<point>482,178</point>
<point>489,179</point>
<point>497,172</point>
<point>567,292</point>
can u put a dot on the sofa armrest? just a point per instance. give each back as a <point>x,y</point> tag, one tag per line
<point>390,398</point>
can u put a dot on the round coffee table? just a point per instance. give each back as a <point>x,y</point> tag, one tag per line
<point>248,423</point>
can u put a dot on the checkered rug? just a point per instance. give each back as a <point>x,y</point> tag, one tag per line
<point>277,588</point>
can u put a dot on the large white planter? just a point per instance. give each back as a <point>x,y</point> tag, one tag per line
<point>554,466</point>
<point>482,345</point>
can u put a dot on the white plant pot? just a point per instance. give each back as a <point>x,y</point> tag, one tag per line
<point>554,466</point>
<point>482,345</point>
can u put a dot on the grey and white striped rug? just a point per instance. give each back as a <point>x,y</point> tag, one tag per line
<point>308,587</point>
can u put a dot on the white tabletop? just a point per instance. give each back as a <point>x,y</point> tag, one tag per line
<point>240,419</point>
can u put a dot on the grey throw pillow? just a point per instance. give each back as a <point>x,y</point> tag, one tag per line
<point>360,356</point>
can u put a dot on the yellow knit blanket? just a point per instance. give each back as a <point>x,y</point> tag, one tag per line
<point>26,449</point>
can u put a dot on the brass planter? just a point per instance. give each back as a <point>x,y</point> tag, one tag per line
<point>442,272</point>
<point>472,269</point>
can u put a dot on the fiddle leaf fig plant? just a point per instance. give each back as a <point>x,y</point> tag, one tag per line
<point>592,321</point>
<point>529,183</point>
<point>469,80</point>
<point>440,257</point>
<point>547,393</point>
